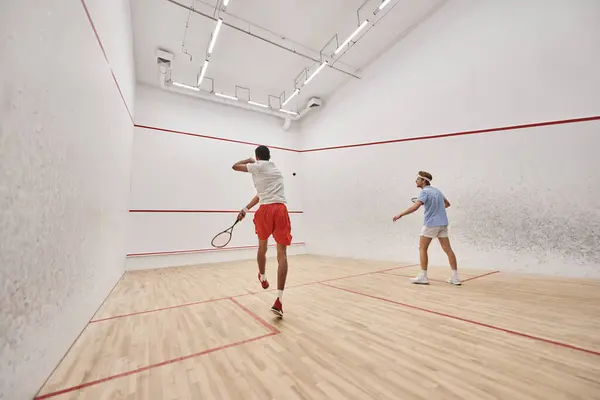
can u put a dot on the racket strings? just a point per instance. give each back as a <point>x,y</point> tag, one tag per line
<point>222,239</point>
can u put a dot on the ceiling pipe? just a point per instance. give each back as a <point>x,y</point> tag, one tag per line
<point>259,37</point>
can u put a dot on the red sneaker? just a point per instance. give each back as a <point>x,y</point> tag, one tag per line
<point>264,284</point>
<point>277,309</point>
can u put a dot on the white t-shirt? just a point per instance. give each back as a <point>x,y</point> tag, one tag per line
<point>268,181</point>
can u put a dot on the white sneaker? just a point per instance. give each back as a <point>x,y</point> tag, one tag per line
<point>454,281</point>
<point>420,280</point>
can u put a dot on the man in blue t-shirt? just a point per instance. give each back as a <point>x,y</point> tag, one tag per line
<point>435,225</point>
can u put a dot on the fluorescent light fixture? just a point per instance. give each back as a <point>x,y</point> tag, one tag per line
<point>225,3</point>
<point>183,85</point>
<point>257,104</point>
<point>214,36</point>
<point>226,96</point>
<point>288,112</point>
<point>310,78</point>
<point>291,97</point>
<point>385,3</point>
<point>201,77</point>
<point>356,32</point>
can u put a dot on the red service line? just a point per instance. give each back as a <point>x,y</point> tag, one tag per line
<point>273,331</point>
<point>158,309</point>
<point>210,250</point>
<point>202,211</point>
<point>480,276</point>
<point>439,280</point>
<point>239,295</point>
<point>497,328</point>
<point>410,276</point>
<point>256,317</point>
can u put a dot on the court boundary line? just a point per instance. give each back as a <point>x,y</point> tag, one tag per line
<point>239,295</point>
<point>207,250</point>
<point>273,331</point>
<point>483,324</point>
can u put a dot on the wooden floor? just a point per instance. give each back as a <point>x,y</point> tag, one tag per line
<point>352,330</point>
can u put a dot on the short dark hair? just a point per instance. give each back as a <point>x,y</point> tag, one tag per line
<point>263,153</point>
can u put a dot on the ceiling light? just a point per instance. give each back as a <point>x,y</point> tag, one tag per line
<point>226,96</point>
<point>291,97</point>
<point>288,112</point>
<point>183,85</point>
<point>310,78</point>
<point>201,76</point>
<point>385,3</point>
<point>257,104</point>
<point>225,2</point>
<point>356,32</point>
<point>214,36</point>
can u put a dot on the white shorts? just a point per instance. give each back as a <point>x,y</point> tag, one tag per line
<point>435,231</point>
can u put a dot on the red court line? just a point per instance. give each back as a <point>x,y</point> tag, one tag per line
<point>158,309</point>
<point>273,331</point>
<point>497,328</point>
<point>238,295</point>
<point>211,137</point>
<point>138,370</point>
<point>355,275</point>
<point>202,211</point>
<point>255,316</point>
<point>410,276</point>
<point>480,276</point>
<point>426,137</point>
<point>438,280</point>
<point>87,13</point>
<point>444,135</point>
<point>210,250</point>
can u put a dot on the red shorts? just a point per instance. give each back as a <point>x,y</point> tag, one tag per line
<point>273,219</point>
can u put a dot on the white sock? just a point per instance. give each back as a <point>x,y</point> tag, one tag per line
<point>263,277</point>
<point>423,273</point>
<point>280,295</point>
<point>454,274</point>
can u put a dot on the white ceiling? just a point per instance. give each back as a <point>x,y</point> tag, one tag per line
<point>244,60</point>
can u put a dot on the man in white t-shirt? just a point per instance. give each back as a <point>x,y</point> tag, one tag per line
<point>272,218</point>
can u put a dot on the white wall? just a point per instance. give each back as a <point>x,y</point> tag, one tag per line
<point>174,171</point>
<point>522,200</point>
<point>65,143</point>
<point>112,20</point>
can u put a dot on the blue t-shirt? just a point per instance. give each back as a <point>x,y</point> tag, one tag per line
<point>435,209</point>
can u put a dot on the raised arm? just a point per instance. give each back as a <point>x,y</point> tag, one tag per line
<point>242,166</point>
